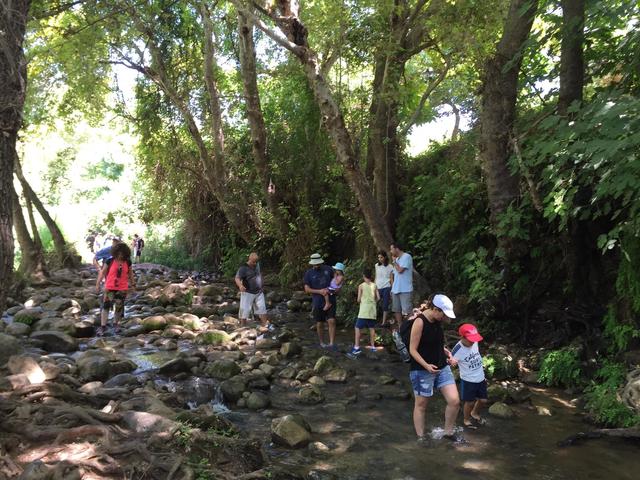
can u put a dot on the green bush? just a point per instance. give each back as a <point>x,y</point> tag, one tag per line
<point>561,368</point>
<point>170,249</point>
<point>232,257</point>
<point>603,401</point>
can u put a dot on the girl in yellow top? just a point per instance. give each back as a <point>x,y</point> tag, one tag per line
<point>367,298</point>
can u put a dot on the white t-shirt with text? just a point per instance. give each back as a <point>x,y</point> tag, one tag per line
<point>469,362</point>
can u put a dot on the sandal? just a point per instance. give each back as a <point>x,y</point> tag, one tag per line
<point>471,425</point>
<point>478,422</point>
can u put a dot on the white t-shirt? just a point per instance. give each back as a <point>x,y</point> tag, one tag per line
<point>383,275</point>
<point>469,362</point>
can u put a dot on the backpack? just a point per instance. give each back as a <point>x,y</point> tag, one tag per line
<point>405,331</point>
<point>140,244</point>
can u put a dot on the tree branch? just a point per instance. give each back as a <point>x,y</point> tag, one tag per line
<point>432,86</point>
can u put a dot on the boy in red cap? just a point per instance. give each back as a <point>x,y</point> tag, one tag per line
<point>473,386</point>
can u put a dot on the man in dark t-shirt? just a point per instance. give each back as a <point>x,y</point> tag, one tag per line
<point>316,282</point>
<point>249,282</point>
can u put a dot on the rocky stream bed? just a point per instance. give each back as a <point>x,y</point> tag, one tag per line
<point>183,392</point>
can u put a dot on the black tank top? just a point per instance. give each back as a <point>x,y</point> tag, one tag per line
<point>431,346</point>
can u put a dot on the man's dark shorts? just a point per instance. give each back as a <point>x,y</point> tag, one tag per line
<point>322,315</point>
<point>470,391</point>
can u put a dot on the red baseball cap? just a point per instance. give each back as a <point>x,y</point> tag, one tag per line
<point>470,332</point>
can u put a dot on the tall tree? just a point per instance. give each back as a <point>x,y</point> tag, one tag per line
<point>295,32</point>
<point>13,80</point>
<point>32,263</point>
<point>498,114</point>
<point>66,256</point>
<point>571,54</point>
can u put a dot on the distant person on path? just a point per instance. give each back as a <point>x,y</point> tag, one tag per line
<point>384,279</point>
<point>335,285</point>
<point>316,283</point>
<point>104,254</point>
<point>249,282</point>
<point>473,386</point>
<point>90,241</point>
<point>430,368</point>
<point>119,279</point>
<point>137,245</point>
<point>367,313</point>
<point>402,287</point>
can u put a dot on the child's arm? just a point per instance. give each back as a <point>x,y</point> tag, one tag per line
<point>359,292</point>
<point>377,294</point>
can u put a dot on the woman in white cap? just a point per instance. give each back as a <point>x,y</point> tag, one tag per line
<point>430,368</point>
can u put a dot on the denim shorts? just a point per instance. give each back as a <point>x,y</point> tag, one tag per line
<point>424,383</point>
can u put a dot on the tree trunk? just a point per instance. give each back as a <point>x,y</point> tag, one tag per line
<point>13,80</point>
<point>571,55</point>
<point>257,127</point>
<point>499,94</point>
<point>32,259</point>
<point>34,227</point>
<point>64,253</point>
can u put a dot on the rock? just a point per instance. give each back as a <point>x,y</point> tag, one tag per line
<point>386,380</point>
<point>318,448</point>
<point>90,388</point>
<point>233,388</point>
<point>191,321</point>
<point>531,378</point>
<point>175,366</point>
<point>222,369</point>
<point>501,410</point>
<point>210,291</point>
<point>18,329</point>
<point>324,364</point>
<point>205,420</point>
<point>310,395</point>
<point>51,370</point>
<point>288,372</point>
<point>155,322</point>
<point>316,380</point>
<point>543,411</point>
<point>291,431</point>
<point>134,331</point>
<point>290,349</point>
<point>256,361</point>
<point>337,375</point>
<point>199,311</point>
<point>631,391</point>
<point>258,401</point>
<point>519,394</point>
<point>22,364</point>
<point>258,383</point>
<point>147,403</point>
<point>84,329</point>
<point>294,305</point>
<point>28,315</point>
<point>94,367</point>
<point>57,304</point>
<point>143,422</point>
<point>73,311</point>
<point>497,393</point>
<point>268,370</point>
<point>267,344</point>
<point>54,341</point>
<point>304,374</point>
<point>121,380</point>
<point>213,337</point>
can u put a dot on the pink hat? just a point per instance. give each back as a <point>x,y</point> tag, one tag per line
<point>470,332</point>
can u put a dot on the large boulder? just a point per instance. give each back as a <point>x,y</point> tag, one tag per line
<point>501,410</point>
<point>22,364</point>
<point>58,304</point>
<point>233,388</point>
<point>291,431</point>
<point>213,337</point>
<point>28,315</point>
<point>191,321</point>
<point>146,423</point>
<point>290,349</point>
<point>222,369</point>
<point>54,341</point>
<point>324,364</point>
<point>155,322</point>
<point>258,401</point>
<point>336,375</point>
<point>631,391</point>
<point>267,343</point>
<point>310,395</point>
<point>18,329</point>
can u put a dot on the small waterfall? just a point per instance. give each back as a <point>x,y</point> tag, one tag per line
<point>218,401</point>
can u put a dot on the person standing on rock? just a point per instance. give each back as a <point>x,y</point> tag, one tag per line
<point>402,287</point>
<point>249,282</point>
<point>137,244</point>
<point>104,254</point>
<point>118,276</point>
<point>384,279</point>
<point>316,283</point>
<point>430,368</point>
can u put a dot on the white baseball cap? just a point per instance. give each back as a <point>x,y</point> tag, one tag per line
<point>445,304</point>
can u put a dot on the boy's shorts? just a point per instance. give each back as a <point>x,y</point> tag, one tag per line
<point>365,323</point>
<point>471,391</point>
<point>424,383</point>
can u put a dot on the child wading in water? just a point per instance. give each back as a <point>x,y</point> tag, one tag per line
<point>367,298</point>
<point>473,386</point>
<point>118,277</point>
<point>334,286</point>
